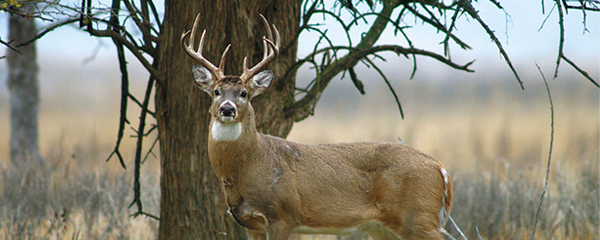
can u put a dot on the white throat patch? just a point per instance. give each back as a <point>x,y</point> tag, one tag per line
<point>226,131</point>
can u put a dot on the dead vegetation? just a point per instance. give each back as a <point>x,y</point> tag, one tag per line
<point>493,139</point>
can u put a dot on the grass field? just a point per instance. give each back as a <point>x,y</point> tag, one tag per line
<point>493,137</point>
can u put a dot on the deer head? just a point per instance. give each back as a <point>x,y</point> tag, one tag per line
<point>231,94</point>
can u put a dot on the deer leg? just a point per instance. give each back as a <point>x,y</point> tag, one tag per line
<point>255,235</point>
<point>382,233</point>
<point>420,229</point>
<point>278,231</point>
<point>432,234</point>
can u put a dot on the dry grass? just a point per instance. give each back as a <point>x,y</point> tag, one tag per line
<point>492,137</point>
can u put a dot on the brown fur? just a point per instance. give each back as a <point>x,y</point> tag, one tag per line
<point>275,187</point>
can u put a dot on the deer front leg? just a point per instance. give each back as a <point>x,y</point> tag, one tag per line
<point>256,235</point>
<point>278,230</point>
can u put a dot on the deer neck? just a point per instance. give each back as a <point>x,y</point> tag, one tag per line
<point>230,145</point>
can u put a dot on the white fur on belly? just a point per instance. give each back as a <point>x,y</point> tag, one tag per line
<point>226,131</point>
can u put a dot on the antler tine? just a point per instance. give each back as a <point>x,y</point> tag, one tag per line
<point>271,50</point>
<point>222,62</point>
<point>277,39</point>
<point>269,33</point>
<point>197,55</point>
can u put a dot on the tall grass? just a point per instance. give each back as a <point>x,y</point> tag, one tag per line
<point>74,198</point>
<point>494,141</point>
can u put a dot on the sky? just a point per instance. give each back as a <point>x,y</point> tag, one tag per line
<point>518,28</point>
<point>70,58</point>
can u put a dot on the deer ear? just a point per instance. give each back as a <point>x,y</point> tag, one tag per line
<point>202,77</point>
<point>260,82</point>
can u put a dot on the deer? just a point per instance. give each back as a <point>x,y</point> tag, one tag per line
<point>275,187</point>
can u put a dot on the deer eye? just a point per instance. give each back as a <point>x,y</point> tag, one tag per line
<point>217,93</point>
<point>243,94</point>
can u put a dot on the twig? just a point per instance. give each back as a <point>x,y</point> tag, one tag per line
<point>139,104</point>
<point>136,214</point>
<point>547,16</point>
<point>138,150</point>
<point>124,82</point>
<point>435,23</point>
<point>303,107</point>
<point>452,23</point>
<point>48,30</point>
<point>357,83</point>
<point>9,46</point>
<point>535,219</point>
<point>389,85</point>
<point>561,25</point>
<point>581,71</point>
<point>150,150</point>
<point>473,13</point>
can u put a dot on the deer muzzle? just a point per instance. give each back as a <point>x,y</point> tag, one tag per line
<point>227,111</point>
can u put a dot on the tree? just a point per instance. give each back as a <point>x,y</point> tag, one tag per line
<point>191,204</point>
<point>191,194</point>
<point>28,168</point>
<point>24,98</point>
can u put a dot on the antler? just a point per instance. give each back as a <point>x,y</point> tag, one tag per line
<point>217,72</point>
<point>270,53</point>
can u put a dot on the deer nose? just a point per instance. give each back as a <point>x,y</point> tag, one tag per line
<point>227,110</point>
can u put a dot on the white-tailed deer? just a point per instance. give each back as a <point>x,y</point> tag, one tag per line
<point>275,187</point>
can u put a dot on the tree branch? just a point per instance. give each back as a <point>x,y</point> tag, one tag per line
<point>473,13</point>
<point>48,30</point>
<point>133,49</point>
<point>389,85</point>
<point>138,150</point>
<point>303,107</point>
<point>535,219</point>
<point>9,46</point>
<point>435,23</point>
<point>581,71</point>
<point>561,42</point>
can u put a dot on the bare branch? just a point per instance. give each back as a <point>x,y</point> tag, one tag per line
<point>142,25</point>
<point>581,71</point>
<point>151,147</point>
<point>303,107</point>
<point>452,23</point>
<point>134,99</point>
<point>124,93</point>
<point>435,23</point>
<point>48,30</point>
<point>535,219</point>
<point>559,4</point>
<point>594,9</point>
<point>473,13</point>
<point>138,150</point>
<point>9,46</point>
<point>389,85</point>
<point>132,48</point>
<point>357,82</point>
<point>561,43</point>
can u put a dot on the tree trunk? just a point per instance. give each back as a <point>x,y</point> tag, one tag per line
<point>24,98</point>
<point>192,204</point>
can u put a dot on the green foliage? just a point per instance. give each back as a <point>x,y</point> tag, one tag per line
<point>9,3</point>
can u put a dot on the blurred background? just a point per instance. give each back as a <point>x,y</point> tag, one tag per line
<point>493,136</point>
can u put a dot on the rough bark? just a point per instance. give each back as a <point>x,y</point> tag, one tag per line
<point>24,97</point>
<point>192,205</point>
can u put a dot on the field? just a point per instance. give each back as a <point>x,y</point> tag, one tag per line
<point>493,138</point>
